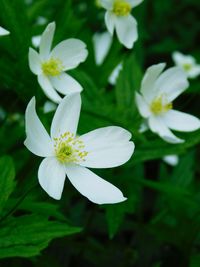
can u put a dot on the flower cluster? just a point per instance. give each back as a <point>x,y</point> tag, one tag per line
<point>66,153</point>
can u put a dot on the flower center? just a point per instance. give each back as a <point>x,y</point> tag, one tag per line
<point>69,149</point>
<point>187,66</point>
<point>121,8</point>
<point>52,67</point>
<point>159,106</point>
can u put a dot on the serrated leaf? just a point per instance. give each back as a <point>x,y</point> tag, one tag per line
<point>26,236</point>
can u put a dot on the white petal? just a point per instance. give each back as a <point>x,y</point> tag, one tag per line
<point>108,157</point>
<point>38,141</point>
<point>48,89</point>
<point>181,121</point>
<point>143,127</point>
<point>157,125</point>
<point>181,59</point>
<point>172,82</point>
<point>148,82</point>
<point>107,4</point>
<point>134,3</point>
<point>102,43</point>
<point>142,106</point>
<point>67,116</point>
<point>107,147</point>
<point>36,40</point>
<point>51,175</point>
<point>65,84</point>
<point>34,61</point>
<point>110,21</point>
<point>171,160</point>
<point>112,79</point>
<point>101,137</point>
<point>126,29</point>
<point>49,106</point>
<point>194,72</point>
<point>71,53</point>
<point>46,40</point>
<point>93,187</point>
<point>3,31</point>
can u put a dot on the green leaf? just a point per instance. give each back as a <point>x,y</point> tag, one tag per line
<point>155,149</point>
<point>195,261</point>
<point>26,236</point>
<point>7,183</point>
<point>183,173</point>
<point>127,83</point>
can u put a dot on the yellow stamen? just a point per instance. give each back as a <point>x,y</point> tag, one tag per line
<point>158,106</point>
<point>69,149</point>
<point>52,67</point>
<point>187,66</point>
<point>121,8</point>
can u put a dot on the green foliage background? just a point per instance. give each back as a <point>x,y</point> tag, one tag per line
<point>159,224</point>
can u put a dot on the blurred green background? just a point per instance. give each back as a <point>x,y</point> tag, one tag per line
<point>158,226</point>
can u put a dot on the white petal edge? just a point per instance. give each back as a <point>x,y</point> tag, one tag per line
<point>107,147</point>
<point>172,83</point>
<point>93,187</point>
<point>181,121</point>
<point>142,106</point>
<point>107,4</point>
<point>34,61</point>
<point>148,82</point>
<point>157,125</point>
<point>3,31</point>
<point>171,160</point>
<point>181,59</point>
<point>110,19</point>
<point>65,84</point>
<point>48,89</point>
<point>70,52</point>
<point>112,79</point>
<point>51,176</point>
<point>113,155</point>
<point>134,3</point>
<point>38,141</point>
<point>67,116</point>
<point>46,40</point>
<point>102,137</point>
<point>126,29</point>
<point>194,72</point>
<point>102,44</point>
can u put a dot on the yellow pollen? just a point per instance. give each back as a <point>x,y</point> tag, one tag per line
<point>158,107</point>
<point>187,66</point>
<point>52,67</point>
<point>121,8</point>
<point>69,149</point>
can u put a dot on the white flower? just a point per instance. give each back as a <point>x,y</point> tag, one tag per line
<point>155,102</point>
<point>67,154</point>
<point>50,66</point>
<point>118,17</point>
<point>172,160</point>
<point>3,31</point>
<point>187,63</point>
<point>102,43</point>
